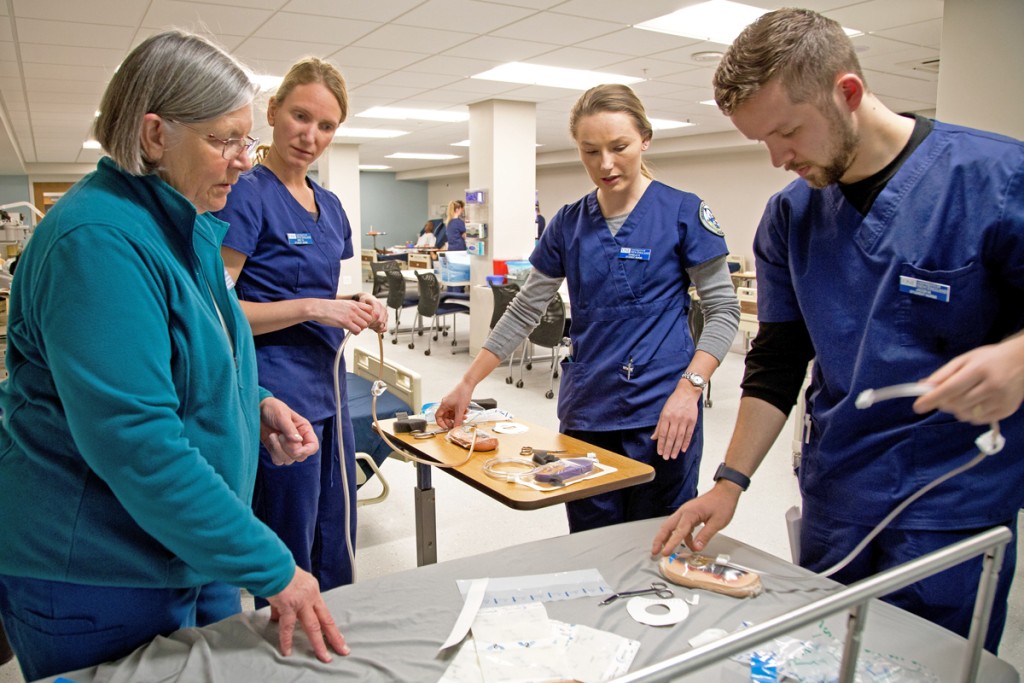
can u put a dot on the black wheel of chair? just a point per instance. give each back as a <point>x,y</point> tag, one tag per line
<point>519,384</point>
<point>427,352</point>
<point>411,345</point>
<point>529,366</point>
<point>394,341</point>
<point>508,380</point>
<point>549,394</point>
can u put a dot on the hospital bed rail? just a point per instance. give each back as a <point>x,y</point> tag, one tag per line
<point>991,543</point>
<point>406,385</point>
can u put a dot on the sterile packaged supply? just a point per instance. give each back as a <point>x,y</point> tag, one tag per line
<point>564,470</point>
<point>694,570</point>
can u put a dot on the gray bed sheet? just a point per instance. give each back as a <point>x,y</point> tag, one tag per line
<point>396,623</point>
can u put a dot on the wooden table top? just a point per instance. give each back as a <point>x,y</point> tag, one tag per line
<point>628,472</point>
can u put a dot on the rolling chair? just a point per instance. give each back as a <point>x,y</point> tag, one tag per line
<point>379,269</point>
<point>397,299</point>
<point>695,321</point>
<point>503,295</point>
<point>550,333</point>
<point>431,306</point>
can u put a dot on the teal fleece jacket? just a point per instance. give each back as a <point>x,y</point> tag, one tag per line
<point>130,430</point>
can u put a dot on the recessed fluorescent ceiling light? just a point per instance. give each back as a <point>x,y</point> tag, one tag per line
<point>667,124</point>
<point>433,157</point>
<point>344,132</point>
<point>719,21</point>
<point>552,76</point>
<point>373,167</point>
<point>448,116</point>
<point>465,143</point>
<point>91,144</point>
<point>710,103</point>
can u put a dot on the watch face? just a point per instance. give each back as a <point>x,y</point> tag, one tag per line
<point>695,380</point>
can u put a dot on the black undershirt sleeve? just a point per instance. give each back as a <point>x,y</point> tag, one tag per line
<point>777,363</point>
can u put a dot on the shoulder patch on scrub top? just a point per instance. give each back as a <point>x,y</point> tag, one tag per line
<point>707,219</point>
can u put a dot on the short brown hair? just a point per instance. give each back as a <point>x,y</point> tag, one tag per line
<point>315,70</point>
<point>801,48</point>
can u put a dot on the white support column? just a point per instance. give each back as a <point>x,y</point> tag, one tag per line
<point>503,161</point>
<point>339,173</point>
<point>981,83</point>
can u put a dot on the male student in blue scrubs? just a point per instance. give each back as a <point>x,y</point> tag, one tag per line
<point>897,257</point>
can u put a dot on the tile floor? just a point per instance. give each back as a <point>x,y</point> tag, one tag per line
<point>469,522</point>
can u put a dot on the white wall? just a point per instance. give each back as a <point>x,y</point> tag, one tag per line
<point>736,184</point>
<point>981,83</point>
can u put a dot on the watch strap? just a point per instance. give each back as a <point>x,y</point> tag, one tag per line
<point>735,476</point>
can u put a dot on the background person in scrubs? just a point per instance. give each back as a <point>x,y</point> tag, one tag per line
<point>897,257</point>
<point>628,251</point>
<point>132,415</point>
<point>283,249</point>
<point>455,227</point>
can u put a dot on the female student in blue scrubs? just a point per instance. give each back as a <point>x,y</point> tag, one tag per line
<point>283,249</point>
<point>455,228</point>
<point>628,251</point>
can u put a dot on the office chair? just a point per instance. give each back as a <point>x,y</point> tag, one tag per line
<point>431,306</point>
<point>380,278</point>
<point>695,321</point>
<point>550,333</point>
<point>503,295</point>
<point>397,300</point>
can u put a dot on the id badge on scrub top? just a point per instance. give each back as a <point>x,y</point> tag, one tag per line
<point>300,238</point>
<point>634,254</point>
<point>923,288</point>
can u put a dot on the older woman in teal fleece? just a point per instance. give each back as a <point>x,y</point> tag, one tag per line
<point>132,415</point>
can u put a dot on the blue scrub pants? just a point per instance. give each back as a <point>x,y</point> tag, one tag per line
<point>55,626</point>
<point>946,598</point>
<point>304,503</point>
<point>674,483</point>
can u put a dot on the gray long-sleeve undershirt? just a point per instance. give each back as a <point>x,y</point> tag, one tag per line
<point>711,278</point>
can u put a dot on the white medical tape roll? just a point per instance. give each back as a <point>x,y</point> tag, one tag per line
<point>639,609</point>
<point>510,428</point>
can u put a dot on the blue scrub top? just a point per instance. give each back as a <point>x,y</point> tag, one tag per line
<point>456,233</point>
<point>630,338</point>
<point>936,268</point>
<point>290,256</point>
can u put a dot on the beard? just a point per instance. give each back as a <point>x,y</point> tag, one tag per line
<point>842,154</point>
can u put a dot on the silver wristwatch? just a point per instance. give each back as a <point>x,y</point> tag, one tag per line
<point>695,379</point>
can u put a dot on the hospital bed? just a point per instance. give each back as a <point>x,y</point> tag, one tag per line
<point>403,394</point>
<point>395,624</point>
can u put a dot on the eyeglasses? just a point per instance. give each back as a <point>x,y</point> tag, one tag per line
<point>232,147</point>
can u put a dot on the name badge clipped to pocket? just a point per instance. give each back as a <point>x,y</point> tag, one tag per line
<point>635,254</point>
<point>300,238</point>
<point>924,288</point>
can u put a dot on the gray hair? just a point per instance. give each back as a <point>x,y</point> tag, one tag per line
<point>180,77</point>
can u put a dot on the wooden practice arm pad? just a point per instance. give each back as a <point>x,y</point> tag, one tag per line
<point>699,571</point>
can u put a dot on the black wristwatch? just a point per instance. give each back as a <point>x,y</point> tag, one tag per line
<point>735,476</point>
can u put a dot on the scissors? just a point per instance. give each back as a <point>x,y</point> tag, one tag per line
<point>659,588</point>
<point>428,435</point>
